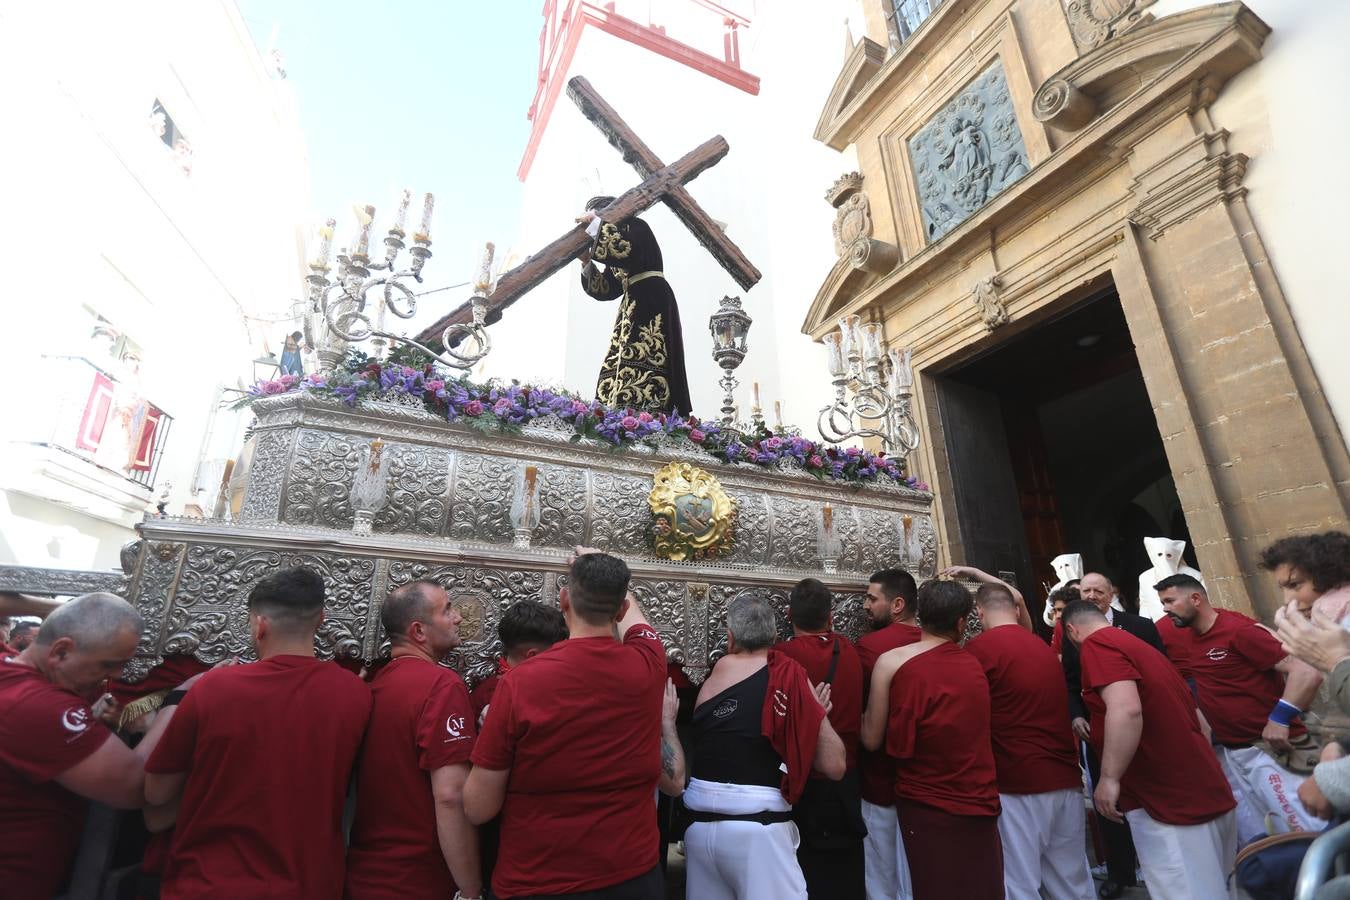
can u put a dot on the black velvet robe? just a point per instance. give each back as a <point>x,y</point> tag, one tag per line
<point>644,366</point>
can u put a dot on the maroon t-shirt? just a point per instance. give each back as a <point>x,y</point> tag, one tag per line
<point>44,731</point>
<point>939,732</point>
<point>876,768</point>
<point>1174,775</point>
<point>422,720</point>
<point>268,748</point>
<point>814,652</point>
<point>579,726</point>
<point>1233,665</point>
<point>1033,746</point>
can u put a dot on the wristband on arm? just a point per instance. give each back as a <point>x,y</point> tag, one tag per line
<point>1284,712</point>
<point>172,698</point>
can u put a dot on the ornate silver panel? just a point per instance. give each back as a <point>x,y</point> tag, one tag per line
<point>266,474</point>
<point>794,543</point>
<point>751,544</point>
<point>563,502</point>
<point>61,582</point>
<point>319,485</point>
<point>418,490</point>
<point>481,506</point>
<point>619,511</point>
<point>967,153</point>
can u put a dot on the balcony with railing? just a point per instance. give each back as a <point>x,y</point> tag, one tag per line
<point>93,441</point>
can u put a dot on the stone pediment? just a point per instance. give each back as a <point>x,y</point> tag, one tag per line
<point>1229,34</point>
<point>859,69</point>
<point>845,282</point>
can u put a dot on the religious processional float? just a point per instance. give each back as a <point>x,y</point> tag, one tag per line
<point>391,465</point>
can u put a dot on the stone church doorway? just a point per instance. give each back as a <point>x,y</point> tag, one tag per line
<point>1054,448</point>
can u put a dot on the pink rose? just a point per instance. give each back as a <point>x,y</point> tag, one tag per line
<point>579,408</point>
<point>271,388</point>
<point>502,407</point>
<point>774,443</point>
<point>629,423</point>
<point>644,418</point>
<point>696,436</point>
<point>408,370</point>
<point>815,462</point>
<point>317,381</point>
<point>435,385</point>
<point>852,451</point>
<point>473,408</point>
<point>288,380</point>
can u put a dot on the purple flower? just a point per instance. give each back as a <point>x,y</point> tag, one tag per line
<point>502,407</point>
<point>407,370</point>
<point>579,408</point>
<point>435,385</point>
<point>734,449</point>
<point>696,436</point>
<point>473,408</point>
<point>852,451</point>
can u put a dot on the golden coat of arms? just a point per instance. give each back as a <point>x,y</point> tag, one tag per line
<point>694,517</point>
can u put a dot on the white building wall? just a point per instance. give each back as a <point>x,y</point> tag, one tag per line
<point>102,217</point>
<point>1284,113</point>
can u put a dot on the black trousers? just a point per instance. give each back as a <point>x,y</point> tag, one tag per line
<point>829,816</point>
<point>650,885</point>
<point>1120,859</point>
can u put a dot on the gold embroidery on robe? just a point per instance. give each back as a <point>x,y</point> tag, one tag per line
<point>598,283</point>
<point>631,373</point>
<point>610,245</point>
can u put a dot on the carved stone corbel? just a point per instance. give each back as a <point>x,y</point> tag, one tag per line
<point>1093,22</point>
<point>989,304</point>
<point>853,228</point>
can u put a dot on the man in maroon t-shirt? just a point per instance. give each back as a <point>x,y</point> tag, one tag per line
<point>1158,770</point>
<point>928,706</point>
<point>829,814</point>
<point>526,629</point>
<point>890,607</point>
<point>571,750</point>
<point>259,757</point>
<point>1248,688</point>
<point>55,753</point>
<point>410,837</point>
<point>1040,786</point>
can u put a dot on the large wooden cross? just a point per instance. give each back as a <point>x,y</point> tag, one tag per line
<point>660,183</point>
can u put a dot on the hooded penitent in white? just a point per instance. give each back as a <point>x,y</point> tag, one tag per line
<point>1165,554</point>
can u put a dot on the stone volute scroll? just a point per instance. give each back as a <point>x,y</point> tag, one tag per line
<point>853,228</point>
<point>989,303</point>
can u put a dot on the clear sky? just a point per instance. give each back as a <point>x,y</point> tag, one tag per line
<point>425,94</point>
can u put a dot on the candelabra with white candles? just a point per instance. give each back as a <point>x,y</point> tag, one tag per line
<point>881,384</point>
<point>351,305</point>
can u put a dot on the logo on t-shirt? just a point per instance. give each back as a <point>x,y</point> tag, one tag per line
<point>646,634</point>
<point>454,726</point>
<point>1217,653</point>
<point>780,704</point>
<point>76,719</point>
<point>725,708</point>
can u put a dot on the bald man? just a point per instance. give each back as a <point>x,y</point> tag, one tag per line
<point>1097,589</point>
<point>55,753</point>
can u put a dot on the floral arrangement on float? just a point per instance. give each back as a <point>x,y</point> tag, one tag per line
<point>508,408</point>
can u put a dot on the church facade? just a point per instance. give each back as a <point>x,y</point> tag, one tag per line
<point>1080,217</point>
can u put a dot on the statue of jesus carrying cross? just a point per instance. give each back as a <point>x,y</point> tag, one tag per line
<point>644,365</point>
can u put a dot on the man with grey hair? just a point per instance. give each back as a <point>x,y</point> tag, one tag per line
<point>758,730</point>
<point>55,752</point>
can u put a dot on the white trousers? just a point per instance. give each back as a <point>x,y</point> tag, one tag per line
<point>740,860</point>
<point>1264,790</point>
<point>1186,862</point>
<point>884,864</point>
<point>1044,844</point>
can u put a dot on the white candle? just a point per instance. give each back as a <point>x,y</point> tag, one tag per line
<point>424,232</point>
<point>325,244</point>
<point>755,388</point>
<point>778,414</point>
<point>484,279</point>
<point>364,217</point>
<point>401,215</point>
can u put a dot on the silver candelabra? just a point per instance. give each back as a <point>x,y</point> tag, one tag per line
<point>882,384</point>
<point>730,326</point>
<point>351,306</point>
